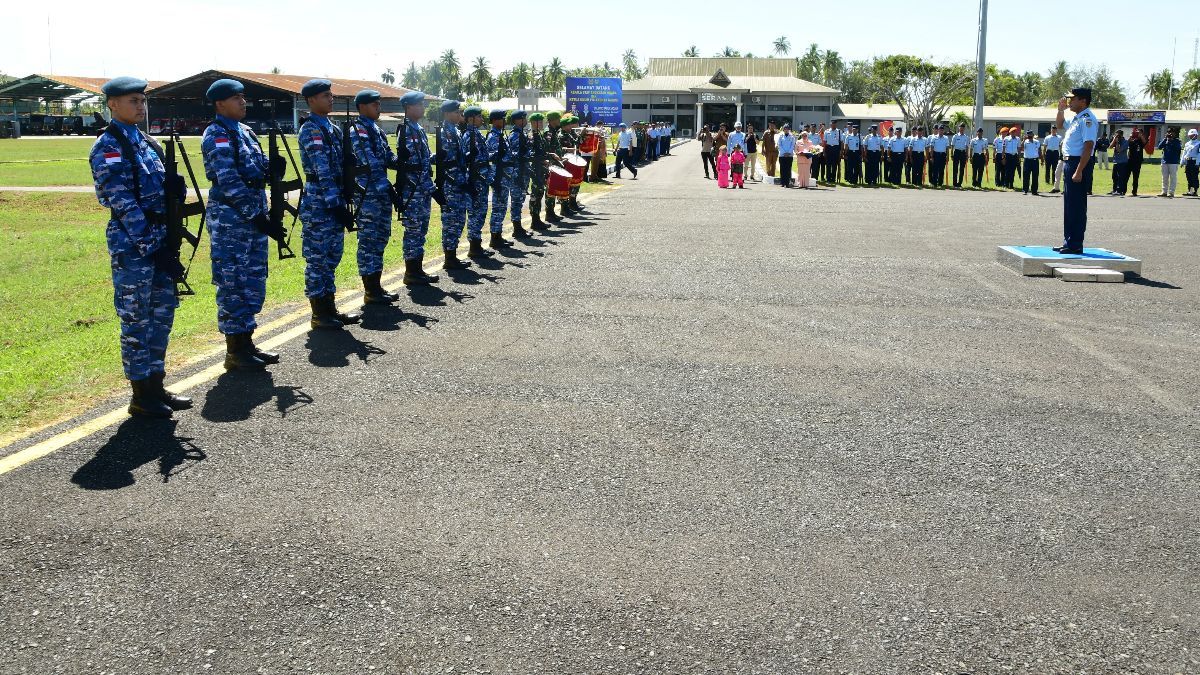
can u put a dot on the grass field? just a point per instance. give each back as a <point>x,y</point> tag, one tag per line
<point>59,337</point>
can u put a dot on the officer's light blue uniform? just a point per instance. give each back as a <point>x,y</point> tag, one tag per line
<point>1082,128</point>
<point>416,182</point>
<point>372,150</point>
<point>237,168</point>
<point>143,295</point>
<point>503,171</point>
<point>321,159</point>
<point>479,177</point>
<point>454,213</point>
<point>521,149</point>
<point>940,145</point>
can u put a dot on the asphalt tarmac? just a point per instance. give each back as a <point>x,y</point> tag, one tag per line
<point>700,430</point>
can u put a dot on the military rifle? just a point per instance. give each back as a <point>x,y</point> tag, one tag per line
<point>179,209</point>
<point>352,192</point>
<point>279,188</point>
<point>439,178</point>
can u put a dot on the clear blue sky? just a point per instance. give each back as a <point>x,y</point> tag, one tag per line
<point>362,39</point>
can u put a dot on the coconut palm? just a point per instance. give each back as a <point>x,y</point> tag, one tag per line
<point>1189,89</point>
<point>480,78</point>
<point>451,70</point>
<point>692,52</point>
<point>782,46</point>
<point>832,67</point>
<point>556,75</point>
<point>388,77</point>
<point>808,67</point>
<point>1158,87</point>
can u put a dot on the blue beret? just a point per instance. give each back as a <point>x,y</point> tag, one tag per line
<point>413,98</point>
<point>124,85</point>
<point>366,96</point>
<point>449,106</point>
<point>497,115</point>
<point>314,87</point>
<point>472,111</point>
<point>517,115</point>
<point>223,89</point>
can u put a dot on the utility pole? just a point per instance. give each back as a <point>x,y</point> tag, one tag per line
<point>981,63</point>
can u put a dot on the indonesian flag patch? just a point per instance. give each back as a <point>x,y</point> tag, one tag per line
<point>112,157</point>
<point>317,140</point>
<point>362,133</point>
<point>221,141</point>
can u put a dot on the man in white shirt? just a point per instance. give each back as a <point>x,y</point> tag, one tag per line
<point>1031,149</point>
<point>625,144</point>
<point>1050,148</point>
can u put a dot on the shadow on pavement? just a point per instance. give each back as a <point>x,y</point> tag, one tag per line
<point>333,348</point>
<point>136,442</point>
<point>391,317</point>
<point>434,296</point>
<point>236,395</point>
<point>1138,280</point>
<point>471,276</point>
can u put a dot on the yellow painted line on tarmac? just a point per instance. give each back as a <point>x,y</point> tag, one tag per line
<point>350,300</point>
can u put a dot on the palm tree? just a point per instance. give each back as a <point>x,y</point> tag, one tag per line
<point>808,67</point>
<point>522,75</point>
<point>692,52</point>
<point>630,69</point>
<point>832,67</point>
<point>782,45</point>
<point>556,75</point>
<point>1158,87</point>
<point>729,53</point>
<point>1189,88</point>
<point>1057,81</point>
<point>388,77</point>
<point>480,78</point>
<point>450,67</point>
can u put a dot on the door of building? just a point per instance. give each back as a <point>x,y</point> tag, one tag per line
<point>716,114</point>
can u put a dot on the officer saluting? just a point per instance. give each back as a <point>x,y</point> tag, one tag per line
<point>1079,139</point>
<point>131,182</point>
<point>371,150</point>
<point>415,187</point>
<point>238,225</point>
<point>323,209</point>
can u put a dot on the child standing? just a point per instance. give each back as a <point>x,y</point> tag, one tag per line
<point>737,164</point>
<point>723,168</point>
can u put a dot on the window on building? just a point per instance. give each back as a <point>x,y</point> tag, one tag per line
<point>779,108</point>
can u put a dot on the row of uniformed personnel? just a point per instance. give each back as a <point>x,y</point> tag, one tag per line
<point>131,180</point>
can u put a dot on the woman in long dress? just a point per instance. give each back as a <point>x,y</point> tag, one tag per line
<point>803,160</point>
<point>722,168</point>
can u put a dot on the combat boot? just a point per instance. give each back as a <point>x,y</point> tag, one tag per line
<point>452,262</point>
<point>322,316</point>
<point>519,231</point>
<point>477,251</point>
<point>146,401</point>
<point>536,218</point>
<point>269,358</point>
<point>575,206</point>
<point>239,355</point>
<point>498,241</point>
<point>173,401</point>
<point>551,216</point>
<point>414,273</point>
<point>373,292</point>
<point>346,318</point>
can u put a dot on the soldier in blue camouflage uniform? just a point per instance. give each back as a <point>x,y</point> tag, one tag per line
<point>131,182</point>
<point>479,172</point>
<point>324,211</point>
<point>539,163</point>
<point>238,226</point>
<point>375,210</point>
<point>452,178</point>
<point>522,151</point>
<point>501,177</point>
<point>414,187</point>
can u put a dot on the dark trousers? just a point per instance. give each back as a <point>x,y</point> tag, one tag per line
<point>999,169</point>
<point>1120,177</point>
<point>898,167</point>
<point>872,167</point>
<point>978,164</point>
<point>1030,176</point>
<point>833,160</point>
<point>1133,173</point>
<point>1013,165</point>
<point>785,171</point>
<point>1052,158</point>
<point>937,169</point>
<point>960,167</point>
<point>1192,171</point>
<point>706,158</point>
<point>918,169</point>
<point>623,160</point>
<point>1075,203</point>
<point>664,145</point>
<point>853,166</point>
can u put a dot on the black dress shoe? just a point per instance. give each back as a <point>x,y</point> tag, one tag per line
<point>1058,249</point>
<point>1071,251</point>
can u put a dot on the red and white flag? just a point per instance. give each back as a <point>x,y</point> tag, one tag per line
<point>112,157</point>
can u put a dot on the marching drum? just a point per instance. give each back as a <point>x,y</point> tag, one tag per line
<point>577,166</point>
<point>590,142</point>
<point>558,183</point>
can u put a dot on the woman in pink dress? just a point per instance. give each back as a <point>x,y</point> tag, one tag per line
<point>803,160</point>
<point>723,168</point>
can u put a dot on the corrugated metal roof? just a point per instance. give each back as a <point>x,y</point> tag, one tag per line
<point>756,84</point>
<point>290,85</point>
<point>40,85</point>
<point>698,67</point>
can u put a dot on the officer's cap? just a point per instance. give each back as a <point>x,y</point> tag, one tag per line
<point>554,115</point>
<point>787,126</point>
<point>1029,132</point>
<point>366,96</point>
<point>737,125</point>
<point>314,87</point>
<point>223,89</point>
<point>536,117</point>
<point>622,125</point>
<point>497,115</point>
<point>473,111</point>
<point>450,106</point>
<point>872,127</point>
<point>517,115</point>
<point>413,98</point>
<point>119,86</point>
<point>1082,92</point>
<point>1193,132</point>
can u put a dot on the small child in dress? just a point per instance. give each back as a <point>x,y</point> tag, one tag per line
<point>737,164</point>
<point>722,168</point>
